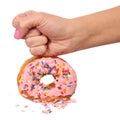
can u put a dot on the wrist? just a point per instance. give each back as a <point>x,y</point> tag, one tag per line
<point>84,31</point>
<point>99,28</point>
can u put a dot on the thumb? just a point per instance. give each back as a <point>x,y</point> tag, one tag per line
<point>24,22</point>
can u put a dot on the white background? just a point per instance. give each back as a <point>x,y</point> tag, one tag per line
<point>98,69</point>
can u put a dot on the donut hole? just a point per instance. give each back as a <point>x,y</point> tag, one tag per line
<point>48,80</point>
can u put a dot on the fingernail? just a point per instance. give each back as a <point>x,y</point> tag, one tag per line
<point>17,34</point>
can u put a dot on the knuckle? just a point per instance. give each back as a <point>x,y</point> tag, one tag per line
<point>29,12</point>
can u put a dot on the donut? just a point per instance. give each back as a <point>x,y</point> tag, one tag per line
<point>34,69</point>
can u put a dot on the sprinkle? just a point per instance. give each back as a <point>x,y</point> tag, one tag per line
<point>32,87</point>
<point>49,70</point>
<point>17,105</point>
<point>22,110</point>
<point>37,64</point>
<point>30,64</point>
<point>39,73</point>
<point>57,80</point>
<point>40,84</point>
<point>47,111</point>
<point>70,82</point>
<point>45,92</point>
<point>32,67</point>
<point>66,80</point>
<point>45,88</point>
<point>26,106</point>
<point>25,86</point>
<point>59,87</point>
<point>45,64</point>
<point>30,74</point>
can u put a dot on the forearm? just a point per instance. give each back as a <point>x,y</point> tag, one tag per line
<point>99,28</point>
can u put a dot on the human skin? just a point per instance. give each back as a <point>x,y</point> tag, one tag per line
<point>50,35</point>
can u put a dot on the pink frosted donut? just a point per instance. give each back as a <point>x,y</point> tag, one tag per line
<point>32,71</point>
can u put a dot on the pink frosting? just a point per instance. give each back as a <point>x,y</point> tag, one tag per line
<point>64,78</point>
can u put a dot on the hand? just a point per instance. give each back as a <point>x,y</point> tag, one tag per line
<point>46,34</point>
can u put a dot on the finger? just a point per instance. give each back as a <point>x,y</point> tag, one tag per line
<point>55,49</point>
<point>20,16</point>
<point>26,23</point>
<point>52,49</point>
<point>16,23</point>
<point>38,51</point>
<point>36,41</point>
<point>33,32</point>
